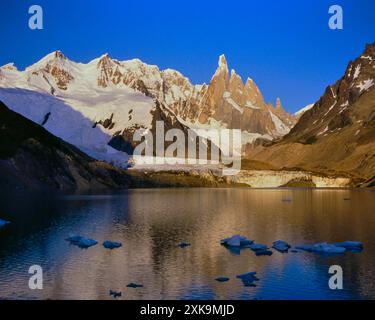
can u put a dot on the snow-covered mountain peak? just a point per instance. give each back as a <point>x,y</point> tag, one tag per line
<point>278,105</point>
<point>9,66</point>
<point>234,75</point>
<point>53,72</point>
<point>222,66</point>
<point>55,57</point>
<point>222,61</point>
<point>172,72</point>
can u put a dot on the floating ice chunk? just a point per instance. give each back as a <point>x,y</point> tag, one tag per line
<point>222,279</point>
<point>323,247</point>
<point>328,248</point>
<point>134,285</point>
<point>234,250</point>
<point>263,253</point>
<point>3,223</point>
<point>82,242</point>
<point>236,241</point>
<point>306,247</point>
<point>257,246</point>
<point>350,245</point>
<point>248,279</point>
<point>111,245</point>
<point>246,242</point>
<point>115,294</point>
<point>184,244</point>
<point>281,246</point>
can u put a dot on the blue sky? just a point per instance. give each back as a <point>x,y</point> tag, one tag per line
<point>285,46</point>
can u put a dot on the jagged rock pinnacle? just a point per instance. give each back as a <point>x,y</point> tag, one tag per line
<point>223,61</point>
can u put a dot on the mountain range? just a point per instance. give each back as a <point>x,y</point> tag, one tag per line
<point>97,106</point>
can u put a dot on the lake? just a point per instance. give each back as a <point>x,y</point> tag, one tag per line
<point>151,223</point>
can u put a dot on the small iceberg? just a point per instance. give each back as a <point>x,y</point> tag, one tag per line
<point>323,247</point>
<point>115,294</point>
<point>111,245</point>
<point>257,246</point>
<point>3,223</point>
<point>222,279</point>
<point>350,245</point>
<point>263,252</point>
<point>281,246</point>
<point>306,247</point>
<point>82,242</point>
<point>134,285</point>
<point>236,241</point>
<point>248,279</point>
<point>184,244</point>
<point>234,250</point>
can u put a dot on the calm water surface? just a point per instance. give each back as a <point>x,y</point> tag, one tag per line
<point>150,223</point>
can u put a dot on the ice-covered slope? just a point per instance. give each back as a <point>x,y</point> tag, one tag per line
<point>300,112</point>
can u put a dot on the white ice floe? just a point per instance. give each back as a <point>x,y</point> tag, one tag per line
<point>323,247</point>
<point>111,244</point>
<point>82,242</point>
<point>350,245</point>
<point>236,241</point>
<point>248,279</point>
<point>257,247</point>
<point>281,246</point>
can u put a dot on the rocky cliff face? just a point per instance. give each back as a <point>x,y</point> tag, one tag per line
<point>233,104</point>
<point>226,100</point>
<point>336,110</point>
<point>336,134</point>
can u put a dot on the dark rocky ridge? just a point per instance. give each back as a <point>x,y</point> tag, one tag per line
<point>33,158</point>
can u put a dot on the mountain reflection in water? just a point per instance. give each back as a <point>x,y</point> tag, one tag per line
<point>151,223</point>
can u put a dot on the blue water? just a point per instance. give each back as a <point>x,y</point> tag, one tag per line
<point>151,222</point>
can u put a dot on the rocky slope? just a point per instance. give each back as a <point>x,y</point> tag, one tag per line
<point>233,104</point>
<point>32,158</point>
<point>338,133</point>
